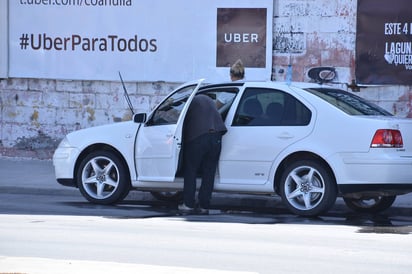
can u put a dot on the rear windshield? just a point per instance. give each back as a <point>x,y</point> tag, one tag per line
<point>348,102</point>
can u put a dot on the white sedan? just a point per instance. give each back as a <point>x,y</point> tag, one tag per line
<point>307,143</point>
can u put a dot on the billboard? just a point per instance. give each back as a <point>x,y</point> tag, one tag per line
<point>384,42</point>
<point>157,40</point>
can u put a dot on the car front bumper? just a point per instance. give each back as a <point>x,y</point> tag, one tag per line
<point>64,159</point>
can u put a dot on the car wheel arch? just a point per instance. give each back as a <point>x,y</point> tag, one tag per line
<point>95,147</point>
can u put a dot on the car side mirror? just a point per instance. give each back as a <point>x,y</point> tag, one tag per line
<point>139,118</point>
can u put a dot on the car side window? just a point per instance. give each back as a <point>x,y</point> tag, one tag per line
<point>270,107</point>
<point>169,110</point>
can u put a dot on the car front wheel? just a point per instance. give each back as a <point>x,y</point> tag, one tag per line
<point>102,178</point>
<point>370,205</point>
<point>308,188</point>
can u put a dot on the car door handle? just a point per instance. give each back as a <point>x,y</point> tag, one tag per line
<point>285,135</point>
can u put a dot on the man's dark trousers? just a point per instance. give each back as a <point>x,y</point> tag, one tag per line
<point>201,154</point>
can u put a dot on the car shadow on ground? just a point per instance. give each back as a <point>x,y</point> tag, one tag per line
<point>395,220</point>
<point>224,209</point>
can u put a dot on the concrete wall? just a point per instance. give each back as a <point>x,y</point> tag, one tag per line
<point>310,33</point>
<point>36,113</point>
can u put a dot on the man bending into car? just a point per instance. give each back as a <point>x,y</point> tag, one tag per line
<point>203,130</point>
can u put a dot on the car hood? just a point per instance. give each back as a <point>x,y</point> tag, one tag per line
<point>112,134</point>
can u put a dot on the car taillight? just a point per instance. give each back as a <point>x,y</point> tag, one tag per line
<point>387,138</point>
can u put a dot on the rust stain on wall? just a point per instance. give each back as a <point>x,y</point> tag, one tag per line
<point>35,116</point>
<point>404,104</point>
<point>91,113</point>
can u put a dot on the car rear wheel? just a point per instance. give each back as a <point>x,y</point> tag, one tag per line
<point>308,188</point>
<point>102,178</point>
<point>370,205</point>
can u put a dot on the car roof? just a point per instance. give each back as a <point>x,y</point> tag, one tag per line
<point>302,85</point>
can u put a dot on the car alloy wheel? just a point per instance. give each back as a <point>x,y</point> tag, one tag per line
<point>102,178</point>
<point>308,188</point>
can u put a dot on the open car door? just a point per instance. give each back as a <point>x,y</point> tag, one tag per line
<point>159,140</point>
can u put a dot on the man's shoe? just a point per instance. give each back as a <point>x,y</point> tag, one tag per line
<point>185,209</point>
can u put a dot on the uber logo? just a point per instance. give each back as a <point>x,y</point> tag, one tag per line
<point>241,37</point>
<point>241,34</point>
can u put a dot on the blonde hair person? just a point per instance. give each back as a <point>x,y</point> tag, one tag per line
<point>237,71</point>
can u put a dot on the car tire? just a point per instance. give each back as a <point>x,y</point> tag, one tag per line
<point>103,178</point>
<point>370,205</point>
<point>308,188</point>
<point>168,196</point>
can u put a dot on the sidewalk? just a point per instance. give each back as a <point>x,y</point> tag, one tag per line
<point>51,266</point>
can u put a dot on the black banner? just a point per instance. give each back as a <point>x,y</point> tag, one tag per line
<point>384,42</point>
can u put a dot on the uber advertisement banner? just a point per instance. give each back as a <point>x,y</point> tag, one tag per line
<point>157,40</point>
<point>241,34</point>
<point>384,42</point>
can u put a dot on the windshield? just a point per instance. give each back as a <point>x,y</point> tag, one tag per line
<point>347,102</point>
<point>169,110</point>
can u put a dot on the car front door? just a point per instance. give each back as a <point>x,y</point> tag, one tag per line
<point>158,142</point>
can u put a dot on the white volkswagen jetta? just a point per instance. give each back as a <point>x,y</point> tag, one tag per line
<point>307,143</point>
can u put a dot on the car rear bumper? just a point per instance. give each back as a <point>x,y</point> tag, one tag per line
<point>378,174</point>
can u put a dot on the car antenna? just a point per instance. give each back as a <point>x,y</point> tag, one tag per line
<point>126,94</point>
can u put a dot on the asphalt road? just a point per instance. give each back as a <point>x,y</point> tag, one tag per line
<point>48,228</point>
<point>29,187</point>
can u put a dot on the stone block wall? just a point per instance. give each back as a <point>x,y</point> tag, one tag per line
<point>35,114</point>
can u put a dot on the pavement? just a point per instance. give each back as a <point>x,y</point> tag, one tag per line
<point>39,174</point>
<point>22,265</point>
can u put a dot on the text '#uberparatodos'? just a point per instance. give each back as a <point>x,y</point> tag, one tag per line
<point>75,42</point>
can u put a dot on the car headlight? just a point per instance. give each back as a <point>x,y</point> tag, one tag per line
<point>63,151</point>
<point>64,143</point>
